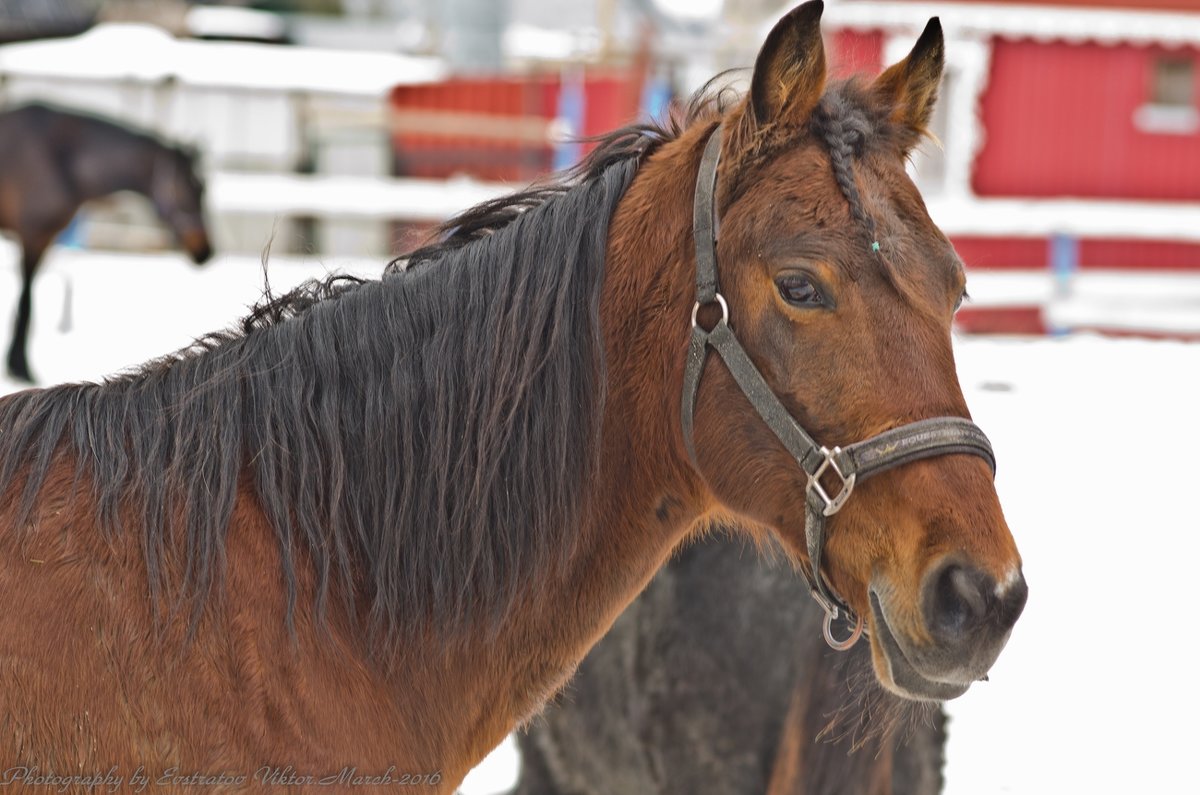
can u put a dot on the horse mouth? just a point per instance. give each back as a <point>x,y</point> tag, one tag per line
<point>896,672</point>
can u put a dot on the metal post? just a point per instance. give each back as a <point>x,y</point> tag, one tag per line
<point>1063,254</point>
<point>472,34</point>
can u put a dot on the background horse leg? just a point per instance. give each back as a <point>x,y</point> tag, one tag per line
<point>32,250</point>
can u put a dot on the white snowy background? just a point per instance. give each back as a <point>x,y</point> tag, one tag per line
<point>1097,443</point>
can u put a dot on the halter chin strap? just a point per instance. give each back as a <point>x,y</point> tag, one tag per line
<point>850,465</point>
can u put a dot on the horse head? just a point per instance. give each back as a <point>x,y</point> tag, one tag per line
<point>842,291</point>
<point>177,191</point>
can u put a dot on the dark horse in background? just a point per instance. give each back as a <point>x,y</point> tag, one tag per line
<point>53,160</point>
<point>729,690</point>
<point>380,524</point>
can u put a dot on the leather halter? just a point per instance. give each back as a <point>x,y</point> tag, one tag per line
<point>853,464</point>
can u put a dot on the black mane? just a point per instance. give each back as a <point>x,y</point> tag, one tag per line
<point>424,440</point>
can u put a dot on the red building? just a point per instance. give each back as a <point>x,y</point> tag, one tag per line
<point>1059,123</point>
<point>505,128</point>
<point>1068,171</point>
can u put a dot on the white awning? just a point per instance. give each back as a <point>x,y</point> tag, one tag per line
<point>1106,25</point>
<point>145,53</point>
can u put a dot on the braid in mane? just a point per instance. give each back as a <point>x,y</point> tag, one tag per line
<point>844,128</point>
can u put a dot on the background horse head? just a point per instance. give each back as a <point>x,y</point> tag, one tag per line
<point>53,160</point>
<point>177,192</point>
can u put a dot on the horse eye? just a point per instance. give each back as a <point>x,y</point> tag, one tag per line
<point>799,290</point>
<point>965,296</point>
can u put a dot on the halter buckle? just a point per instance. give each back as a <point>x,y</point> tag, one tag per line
<point>831,505</point>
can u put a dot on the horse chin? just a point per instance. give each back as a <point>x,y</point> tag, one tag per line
<point>894,669</point>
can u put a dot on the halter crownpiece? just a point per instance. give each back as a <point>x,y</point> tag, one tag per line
<point>852,464</point>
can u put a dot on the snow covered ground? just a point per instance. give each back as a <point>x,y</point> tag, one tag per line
<point>1096,441</point>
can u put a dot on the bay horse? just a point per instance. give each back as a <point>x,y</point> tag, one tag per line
<point>374,528</point>
<point>53,160</point>
<point>732,690</point>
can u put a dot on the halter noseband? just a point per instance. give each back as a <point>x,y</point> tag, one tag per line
<point>852,464</point>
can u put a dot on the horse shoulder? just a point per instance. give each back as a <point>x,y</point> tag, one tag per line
<point>132,684</point>
<point>65,636</point>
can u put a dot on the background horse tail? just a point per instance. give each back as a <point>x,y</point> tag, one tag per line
<point>717,680</point>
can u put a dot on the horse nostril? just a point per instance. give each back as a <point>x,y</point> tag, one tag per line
<point>958,598</point>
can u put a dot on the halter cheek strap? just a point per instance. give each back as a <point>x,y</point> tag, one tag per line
<point>892,448</point>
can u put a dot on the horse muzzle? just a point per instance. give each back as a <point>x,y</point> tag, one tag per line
<point>201,254</point>
<point>195,242</point>
<point>968,618</point>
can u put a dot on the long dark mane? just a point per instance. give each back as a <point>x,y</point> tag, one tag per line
<point>424,440</point>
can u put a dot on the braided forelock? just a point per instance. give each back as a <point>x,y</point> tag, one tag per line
<point>843,126</point>
<point>844,129</point>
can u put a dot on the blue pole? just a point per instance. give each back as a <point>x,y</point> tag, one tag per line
<point>72,235</point>
<point>1063,253</point>
<point>572,107</point>
<point>656,95</point>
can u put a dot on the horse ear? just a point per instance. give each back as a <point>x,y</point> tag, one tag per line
<point>789,73</point>
<point>910,87</point>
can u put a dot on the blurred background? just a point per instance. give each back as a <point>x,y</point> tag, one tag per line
<point>1067,175</point>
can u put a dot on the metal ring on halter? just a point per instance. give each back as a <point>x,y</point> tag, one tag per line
<point>720,299</point>
<point>841,645</point>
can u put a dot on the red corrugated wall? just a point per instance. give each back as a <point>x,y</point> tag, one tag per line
<point>992,253</point>
<point>854,51</point>
<point>437,156</point>
<point>1059,122</point>
<point>612,101</point>
<point>1129,5</point>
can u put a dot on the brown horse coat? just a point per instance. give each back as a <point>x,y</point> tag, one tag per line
<point>379,525</point>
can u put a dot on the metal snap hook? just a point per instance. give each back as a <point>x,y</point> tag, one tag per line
<point>841,645</point>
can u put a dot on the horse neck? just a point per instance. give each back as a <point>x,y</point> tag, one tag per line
<point>645,497</point>
<point>648,295</point>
